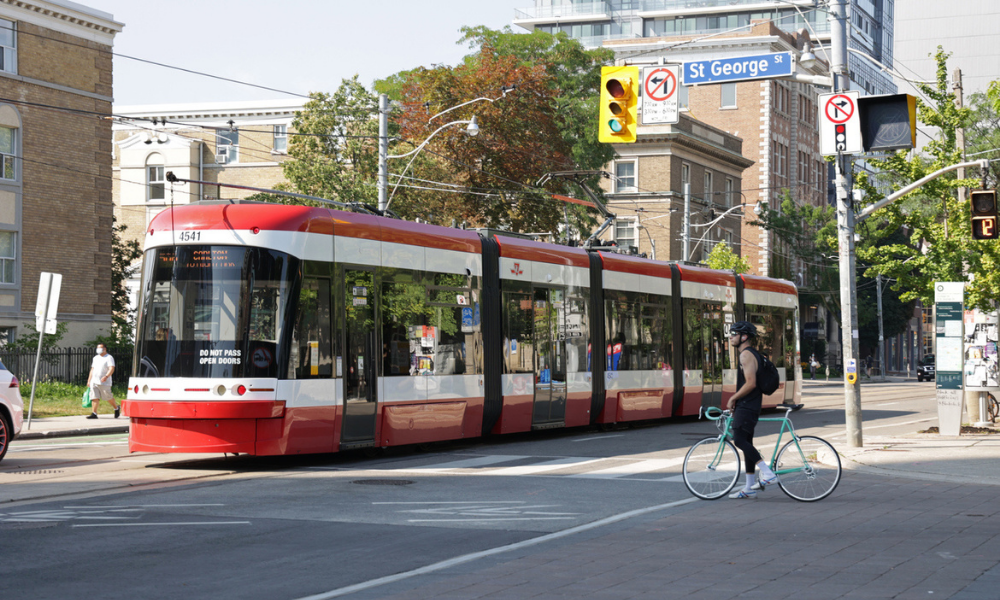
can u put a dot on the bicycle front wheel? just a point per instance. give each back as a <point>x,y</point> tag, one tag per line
<point>808,470</point>
<point>992,407</point>
<point>711,468</point>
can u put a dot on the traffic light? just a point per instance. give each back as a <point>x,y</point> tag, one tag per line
<point>984,215</point>
<point>619,105</point>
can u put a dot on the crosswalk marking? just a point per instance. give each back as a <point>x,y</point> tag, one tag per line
<point>643,466</point>
<point>575,467</point>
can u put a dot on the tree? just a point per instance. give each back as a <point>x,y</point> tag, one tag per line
<point>124,254</point>
<point>723,258</point>
<point>335,152</point>
<point>936,243</point>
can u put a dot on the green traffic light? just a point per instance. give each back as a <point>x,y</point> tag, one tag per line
<point>615,125</point>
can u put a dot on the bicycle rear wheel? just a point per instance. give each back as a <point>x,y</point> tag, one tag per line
<point>711,468</point>
<point>808,471</point>
<point>992,407</point>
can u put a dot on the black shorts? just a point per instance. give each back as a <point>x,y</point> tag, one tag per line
<point>745,420</point>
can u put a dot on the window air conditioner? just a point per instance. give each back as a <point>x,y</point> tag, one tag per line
<point>222,155</point>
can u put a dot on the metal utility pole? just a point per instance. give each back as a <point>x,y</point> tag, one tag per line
<point>383,151</point>
<point>686,235</point>
<point>881,340</point>
<point>960,131</point>
<point>845,233</point>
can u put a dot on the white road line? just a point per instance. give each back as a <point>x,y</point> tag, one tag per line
<point>465,558</point>
<point>460,502</point>
<point>644,466</point>
<point>551,465</point>
<point>886,404</point>
<point>164,524</point>
<point>867,427</point>
<point>488,519</point>
<point>139,506</point>
<point>600,437</point>
<point>469,463</point>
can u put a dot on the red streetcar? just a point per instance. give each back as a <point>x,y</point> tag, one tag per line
<point>270,329</point>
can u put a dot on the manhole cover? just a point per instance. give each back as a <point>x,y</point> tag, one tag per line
<point>382,482</point>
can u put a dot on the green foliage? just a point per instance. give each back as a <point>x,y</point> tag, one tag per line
<point>338,158</point>
<point>124,254</point>
<point>59,399</point>
<point>723,258</point>
<point>27,341</point>
<point>936,244</point>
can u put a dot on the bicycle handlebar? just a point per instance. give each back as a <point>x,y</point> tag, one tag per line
<point>715,413</point>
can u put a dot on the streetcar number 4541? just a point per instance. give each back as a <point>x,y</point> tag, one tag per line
<point>189,236</point>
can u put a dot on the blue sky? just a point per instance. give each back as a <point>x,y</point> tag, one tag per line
<point>295,45</point>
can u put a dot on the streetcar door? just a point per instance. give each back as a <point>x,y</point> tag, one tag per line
<point>714,340</point>
<point>359,359</point>
<point>550,357</point>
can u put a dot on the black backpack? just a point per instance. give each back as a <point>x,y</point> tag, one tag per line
<point>767,374</point>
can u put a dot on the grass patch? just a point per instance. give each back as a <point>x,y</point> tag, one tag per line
<point>58,399</point>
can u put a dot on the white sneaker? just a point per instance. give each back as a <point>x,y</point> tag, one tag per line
<point>744,495</point>
<point>761,484</point>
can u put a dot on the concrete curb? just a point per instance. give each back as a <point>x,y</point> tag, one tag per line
<point>61,433</point>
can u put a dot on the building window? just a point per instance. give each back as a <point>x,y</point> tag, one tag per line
<point>8,48</point>
<point>709,197</point>
<point>8,139</point>
<point>682,97</point>
<point>8,256</point>
<point>227,146</point>
<point>625,176</point>
<point>625,232</point>
<point>156,183</point>
<point>685,174</point>
<point>728,95</point>
<point>7,335</point>
<point>281,138</point>
<point>730,192</point>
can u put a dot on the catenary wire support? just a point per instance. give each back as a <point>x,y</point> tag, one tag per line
<point>578,177</point>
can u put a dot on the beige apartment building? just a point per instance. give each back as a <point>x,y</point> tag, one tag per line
<point>55,163</point>
<point>237,143</point>
<point>649,177</point>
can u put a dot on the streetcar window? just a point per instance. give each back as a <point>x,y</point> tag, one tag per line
<point>518,328</point>
<point>638,331</point>
<point>310,355</point>
<point>213,311</point>
<point>430,323</point>
<point>693,352</point>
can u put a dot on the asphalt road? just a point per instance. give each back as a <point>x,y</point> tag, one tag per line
<point>83,517</point>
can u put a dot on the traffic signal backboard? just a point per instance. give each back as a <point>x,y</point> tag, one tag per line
<point>983,205</point>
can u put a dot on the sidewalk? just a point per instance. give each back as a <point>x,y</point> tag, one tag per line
<point>55,427</point>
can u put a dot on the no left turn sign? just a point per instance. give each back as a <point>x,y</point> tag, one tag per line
<point>660,84</point>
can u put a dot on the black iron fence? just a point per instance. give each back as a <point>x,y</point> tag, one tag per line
<point>69,365</point>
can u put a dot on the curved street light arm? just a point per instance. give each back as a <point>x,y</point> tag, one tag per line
<point>503,93</point>
<point>414,152</point>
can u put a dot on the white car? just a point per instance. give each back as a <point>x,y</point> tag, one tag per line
<point>11,409</point>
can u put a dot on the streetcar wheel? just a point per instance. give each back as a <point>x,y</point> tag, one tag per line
<point>811,474</point>
<point>992,407</point>
<point>711,469</point>
<point>5,435</point>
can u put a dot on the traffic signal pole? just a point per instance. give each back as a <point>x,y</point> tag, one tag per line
<point>845,235</point>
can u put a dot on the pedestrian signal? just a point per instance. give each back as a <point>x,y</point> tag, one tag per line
<point>984,215</point>
<point>619,105</point>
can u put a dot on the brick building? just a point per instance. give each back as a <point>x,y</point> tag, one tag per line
<point>649,176</point>
<point>240,143</point>
<point>55,149</point>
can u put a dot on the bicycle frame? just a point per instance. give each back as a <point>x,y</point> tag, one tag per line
<point>725,419</point>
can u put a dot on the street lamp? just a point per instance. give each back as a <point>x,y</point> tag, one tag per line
<point>383,139</point>
<point>710,224</point>
<point>472,130</point>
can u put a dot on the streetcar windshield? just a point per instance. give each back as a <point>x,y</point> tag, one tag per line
<point>213,311</point>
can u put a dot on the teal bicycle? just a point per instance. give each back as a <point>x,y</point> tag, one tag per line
<point>808,467</point>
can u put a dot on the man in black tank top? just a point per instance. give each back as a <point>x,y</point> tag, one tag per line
<point>746,404</point>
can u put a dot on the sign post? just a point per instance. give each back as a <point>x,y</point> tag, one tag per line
<point>46,307</point>
<point>659,94</point>
<point>949,351</point>
<point>839,124</point>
